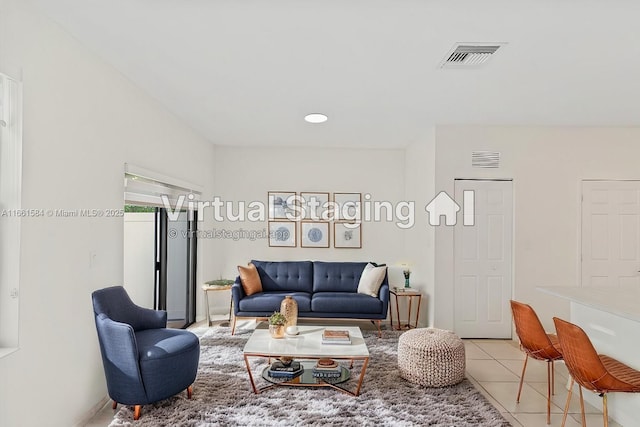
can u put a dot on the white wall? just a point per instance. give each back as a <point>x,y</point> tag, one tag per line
<point>420,160</point>
<point>247,174</point>
<point>139,256</point>
<point>546,165</point>
<point>82,122</point>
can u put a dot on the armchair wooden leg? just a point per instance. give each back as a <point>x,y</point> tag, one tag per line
<point>605,411</point>
<point>379,322</point>
<point>553,379</point>
<point>233,326</point>
<point>524,368</point>
<point>190,392</point>
<point>114,405</point>
<point>136,412</point>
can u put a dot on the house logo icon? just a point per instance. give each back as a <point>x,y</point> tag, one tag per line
<point>445,205</point>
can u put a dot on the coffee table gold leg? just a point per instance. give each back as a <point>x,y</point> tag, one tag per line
<point>253,384</point>
<point>364,369</point>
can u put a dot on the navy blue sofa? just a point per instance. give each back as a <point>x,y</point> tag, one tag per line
<point>321,289</point>
<point>144,362</point>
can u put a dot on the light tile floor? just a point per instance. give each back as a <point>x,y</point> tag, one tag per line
<point>494,367</point>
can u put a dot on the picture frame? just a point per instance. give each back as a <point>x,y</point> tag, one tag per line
<point>282,234</point>
<point>347,235</point>
<point>314,234</point>
<point>280,204</point>
<point>347,206</point>
<point>315,205</point>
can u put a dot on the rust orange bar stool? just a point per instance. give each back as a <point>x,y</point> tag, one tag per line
<point>596,372</point>
<point>535,343</point>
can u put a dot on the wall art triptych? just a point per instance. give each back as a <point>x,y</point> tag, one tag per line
<point>312,217</point>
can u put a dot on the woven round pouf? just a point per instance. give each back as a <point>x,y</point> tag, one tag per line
<point>431,357</point>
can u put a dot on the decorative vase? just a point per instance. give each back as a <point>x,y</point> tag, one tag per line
<point>289,307</point>
<point>406,282</point>
<point>276,331</point>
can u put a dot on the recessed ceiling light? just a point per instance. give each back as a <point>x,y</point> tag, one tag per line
<point>315,118</point>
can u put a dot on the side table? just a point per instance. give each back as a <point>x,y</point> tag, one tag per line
<point>410,294</point>
<point>209,288</point>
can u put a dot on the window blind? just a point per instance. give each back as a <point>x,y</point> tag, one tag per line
<point>144,187</point>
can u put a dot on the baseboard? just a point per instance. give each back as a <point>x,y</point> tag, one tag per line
<point>92,412</point>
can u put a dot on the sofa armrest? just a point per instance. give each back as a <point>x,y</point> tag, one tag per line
<point>384,296</point>
<point>383,293</point>
<point>237,293</point>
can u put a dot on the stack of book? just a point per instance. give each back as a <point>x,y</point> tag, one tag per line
<point>280,370</point>
<point>327,368</point>
<point>330,336</point>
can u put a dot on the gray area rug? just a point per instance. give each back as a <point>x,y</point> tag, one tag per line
<point>223,396</point>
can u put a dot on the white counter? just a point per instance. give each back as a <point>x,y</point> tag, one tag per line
<point>623,303</point>
<point>611,319</point>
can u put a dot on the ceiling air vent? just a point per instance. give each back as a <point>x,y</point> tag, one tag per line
<point>485,159</point>
<point>469,55</point>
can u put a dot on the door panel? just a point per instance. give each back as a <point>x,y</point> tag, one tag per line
<point>175,267</point>
<point>483,261</point>
<point>610,234</point>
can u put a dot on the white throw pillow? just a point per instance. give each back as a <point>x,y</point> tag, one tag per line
<point>371,280</point>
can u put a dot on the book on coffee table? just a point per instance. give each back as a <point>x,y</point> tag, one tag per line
<point>280,370</point>
<point>332,336</point>
<point>327,368</point>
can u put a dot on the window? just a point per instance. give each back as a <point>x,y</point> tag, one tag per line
<point>10,213</point>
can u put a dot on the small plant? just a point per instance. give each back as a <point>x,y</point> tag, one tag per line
<point>407,273</point>
<point>277,319</point>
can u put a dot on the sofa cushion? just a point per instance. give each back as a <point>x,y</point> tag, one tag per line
<point>270,302</point>
<point>282,276</point>
<point>161,343</point>
<point>337,276</point>
<point>341,302</point>
<point>371,280</point>
<point>250,279</point>
<point>165,353</point>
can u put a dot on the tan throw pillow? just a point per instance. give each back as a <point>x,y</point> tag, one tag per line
<point>250,279</point>
<point>371,280</point>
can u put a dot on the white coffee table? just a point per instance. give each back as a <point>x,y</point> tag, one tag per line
<point>307,345</point>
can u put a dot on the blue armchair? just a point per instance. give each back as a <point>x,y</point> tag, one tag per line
<point>144,362</point>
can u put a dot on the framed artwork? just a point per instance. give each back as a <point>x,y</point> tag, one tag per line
<point>347,235</point>
<point>315,205</point>
<point>314,234</point>
<point>347,206</point>
<point>280,204</point>
<point>282,234</point>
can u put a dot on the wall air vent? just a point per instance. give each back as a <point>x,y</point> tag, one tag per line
<point>469,55</point>
<point>485,159</point>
